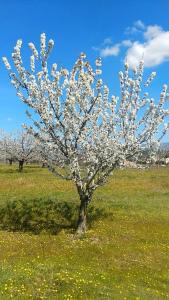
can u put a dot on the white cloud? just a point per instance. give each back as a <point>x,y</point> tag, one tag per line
<point>110,51</point>
<point>107,48</point>
<point>126,43</point>
<point>152,32</point>
<point>155,48</point>
<point>106,45</point>
<point>134,54</point>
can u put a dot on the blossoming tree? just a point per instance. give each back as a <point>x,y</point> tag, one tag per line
<point>6,150</point>
<point>86,133</point>
<point>20,147</point>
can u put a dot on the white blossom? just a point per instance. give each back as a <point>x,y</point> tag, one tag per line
<point>6,63</point>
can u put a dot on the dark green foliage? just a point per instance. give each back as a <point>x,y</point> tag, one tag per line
<point>42,214</point>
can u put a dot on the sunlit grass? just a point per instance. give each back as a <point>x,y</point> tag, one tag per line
<point>123,256</point>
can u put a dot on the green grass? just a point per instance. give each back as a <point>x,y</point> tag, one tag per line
<point>122,256</point>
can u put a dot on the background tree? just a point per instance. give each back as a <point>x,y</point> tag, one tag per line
<point>163,154</point>
<point>42,153</point>
<point>25,147</point>
<point>88,133</point>
<point>20,147</point>
<point>6,147</point>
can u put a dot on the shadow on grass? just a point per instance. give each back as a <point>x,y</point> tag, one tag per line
<point>40,214</point>
<point>7,169</point>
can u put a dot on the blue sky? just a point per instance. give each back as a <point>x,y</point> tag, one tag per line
<point>109,28</point>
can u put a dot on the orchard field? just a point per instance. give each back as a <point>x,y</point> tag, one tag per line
<point>123,255</point>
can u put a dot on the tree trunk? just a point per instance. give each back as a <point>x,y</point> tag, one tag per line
<point>21,162</point>
<point>10,162</point>
<point>81,224</point>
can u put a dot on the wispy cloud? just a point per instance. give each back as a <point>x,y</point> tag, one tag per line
<point>154,45</point>
<point>126,43</point>
<point>107,48</point>
<point>110,51</point>
<point>107,41</point>
<point>137,27</point>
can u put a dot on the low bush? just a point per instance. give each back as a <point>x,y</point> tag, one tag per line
<point>43,214</point>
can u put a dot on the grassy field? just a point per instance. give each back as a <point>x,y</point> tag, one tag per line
<point>124,255</point>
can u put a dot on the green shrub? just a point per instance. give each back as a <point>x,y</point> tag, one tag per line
<point>42,214</point>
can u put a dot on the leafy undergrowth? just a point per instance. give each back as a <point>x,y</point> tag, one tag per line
<point>124,254</point>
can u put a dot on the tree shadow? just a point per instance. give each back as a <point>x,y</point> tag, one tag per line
<point>41,214</point>
<point>7,169</point>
